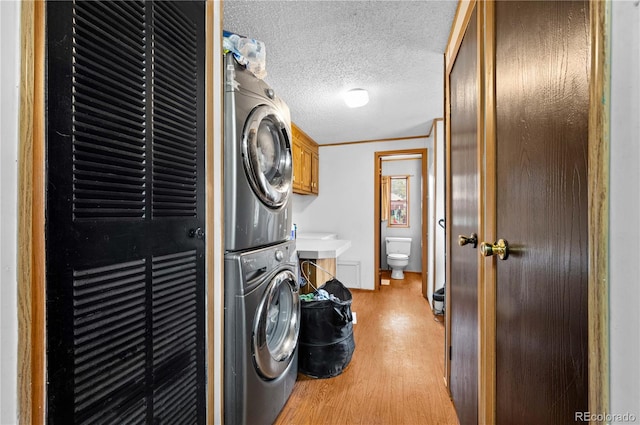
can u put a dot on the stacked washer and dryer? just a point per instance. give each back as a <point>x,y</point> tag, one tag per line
<point>262,308</point>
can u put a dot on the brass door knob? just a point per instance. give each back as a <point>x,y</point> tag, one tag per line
<point>500,248</point>
<point>463,240</point>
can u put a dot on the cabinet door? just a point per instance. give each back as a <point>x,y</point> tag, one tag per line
<point>306,169</point>
<point>125,185</point>
<point>298,160</point>
<point>305,163</point>
<point>314,172</point>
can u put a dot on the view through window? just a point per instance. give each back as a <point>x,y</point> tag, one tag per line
<point>399,201</point>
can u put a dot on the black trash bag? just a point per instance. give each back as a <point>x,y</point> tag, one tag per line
<point>326,342</point>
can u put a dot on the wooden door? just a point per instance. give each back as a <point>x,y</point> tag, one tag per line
<point>464,221</point>
<point>542,70</point>
<point>125,211</point>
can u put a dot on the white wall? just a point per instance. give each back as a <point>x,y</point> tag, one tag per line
<point>9,89</point>
<point>625,209</point>
<point>345,204</point>
<point>413,168</point>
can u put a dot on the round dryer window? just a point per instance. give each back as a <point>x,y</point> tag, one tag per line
<point>276,326</point>
<point>266,150</point>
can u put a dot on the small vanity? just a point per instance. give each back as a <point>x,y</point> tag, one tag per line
<point>322,248</point>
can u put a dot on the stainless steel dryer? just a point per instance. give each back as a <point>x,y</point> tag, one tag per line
<point>258,165</point>
<point>261,325</point>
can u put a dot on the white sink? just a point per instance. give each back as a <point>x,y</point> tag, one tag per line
<point>317,235</point>
<point>321,248</point>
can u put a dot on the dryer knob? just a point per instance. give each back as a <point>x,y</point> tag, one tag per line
<point>279,255</point>
<point>270,93</point>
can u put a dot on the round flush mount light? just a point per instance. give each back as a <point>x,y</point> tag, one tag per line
<point>356,98</point>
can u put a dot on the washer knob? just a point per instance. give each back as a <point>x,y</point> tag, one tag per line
<point>279,255</point>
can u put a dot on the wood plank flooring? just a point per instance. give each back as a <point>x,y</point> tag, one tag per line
<point>396,374</point>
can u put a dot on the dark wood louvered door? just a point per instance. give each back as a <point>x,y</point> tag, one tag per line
<point>542,68</point>
<point>464,221</point>
<point>125,212</point>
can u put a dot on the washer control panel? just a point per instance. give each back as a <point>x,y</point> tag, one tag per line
<point>267,258</point>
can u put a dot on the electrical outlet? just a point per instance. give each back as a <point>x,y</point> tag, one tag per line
<point>355,319</point>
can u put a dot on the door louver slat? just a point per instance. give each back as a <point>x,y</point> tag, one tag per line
<point>108,111</point>
<point>178,151</point>
<point>101,66</point>
<point>174,158</point>
<point>98,106</point>
<point>109,337</point>
<point>174,336</point>
<point>118,138</point>
<point>175,138</point>
<point>123,17</point>
<point>174,112</point>
<point>105,79</point>
<point>174,292</point>
<point>132,415</point>
<point>176,401</point>
<point>113,149</point>
<point>167,169</point>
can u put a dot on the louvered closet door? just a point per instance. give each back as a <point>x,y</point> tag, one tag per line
<point>125,195</point>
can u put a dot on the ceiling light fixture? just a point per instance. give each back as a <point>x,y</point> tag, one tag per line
<point>356,98</point>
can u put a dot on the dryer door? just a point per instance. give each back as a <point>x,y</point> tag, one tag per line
<point>276,326</point>
<point>266,153</point>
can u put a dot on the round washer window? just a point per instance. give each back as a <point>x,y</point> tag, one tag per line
<point>276,327</point>
<point>266,151</point>
<point>269,152</point>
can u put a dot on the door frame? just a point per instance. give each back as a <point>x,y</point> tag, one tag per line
<point>598,194</point>
<point>423,213</point>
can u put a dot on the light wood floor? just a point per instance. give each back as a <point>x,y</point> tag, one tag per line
<point>396,374</point>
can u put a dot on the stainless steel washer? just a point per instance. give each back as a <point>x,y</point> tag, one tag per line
<point>262,322</point>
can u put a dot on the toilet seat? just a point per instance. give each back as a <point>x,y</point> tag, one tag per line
<point>397,256</point>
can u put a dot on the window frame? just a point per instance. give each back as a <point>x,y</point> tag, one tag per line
<point>389,208</point>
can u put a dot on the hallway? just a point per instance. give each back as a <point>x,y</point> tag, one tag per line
<point>396,373</point>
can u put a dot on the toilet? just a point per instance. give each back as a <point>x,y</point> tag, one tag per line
<point>398,250</point>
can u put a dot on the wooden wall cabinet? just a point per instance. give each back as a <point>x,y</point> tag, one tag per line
<point>305,162</point>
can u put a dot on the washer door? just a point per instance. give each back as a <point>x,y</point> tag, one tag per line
<point>276,326</point>
<point>266,152</point>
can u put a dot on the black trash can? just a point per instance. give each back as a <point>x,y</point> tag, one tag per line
<point>326,342</point>
<point>438,301</point>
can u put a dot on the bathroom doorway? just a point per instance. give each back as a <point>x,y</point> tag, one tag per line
<point>398,216</point>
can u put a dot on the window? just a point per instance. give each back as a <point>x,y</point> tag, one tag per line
<point>398,201</point>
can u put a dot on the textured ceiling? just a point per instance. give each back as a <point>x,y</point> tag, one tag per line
<point>316,50</point>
